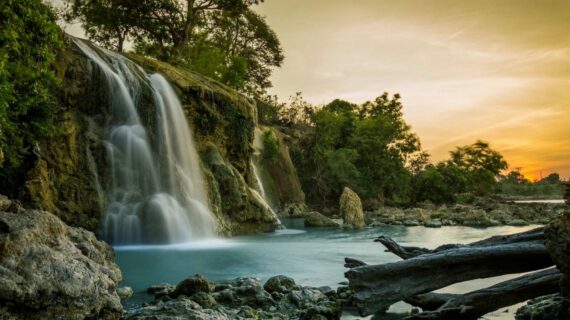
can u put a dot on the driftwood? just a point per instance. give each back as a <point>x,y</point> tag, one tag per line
<point>430,301</point>
<point>379,286</point>
<point>353,263</point>
<point>406,252</point>
<point>474,305</point>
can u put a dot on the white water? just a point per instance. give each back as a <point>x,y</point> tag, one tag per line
<point>156,194</point>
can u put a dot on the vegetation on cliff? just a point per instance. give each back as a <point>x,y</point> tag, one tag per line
<point>221,39</point>
<point>29,39</point>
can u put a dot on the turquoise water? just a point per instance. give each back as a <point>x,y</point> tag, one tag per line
<point>313,257</point>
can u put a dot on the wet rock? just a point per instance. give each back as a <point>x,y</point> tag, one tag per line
<point>351,209</point>
<point>246,298</point>
<point>434,223</point>
<point>125,292</point>
<point>410,223</point>
<point>161,290</point>
<point>279,284</point>
<point>193,285</point>
<point>557,235</point>
<point>177,309</point>
<point>52,271</point>
<point>541,308</point>
<point>316,219</point>
<point>518,223</point>
<point>5,203</point>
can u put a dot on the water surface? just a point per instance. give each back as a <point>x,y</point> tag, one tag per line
<point>313,257</point>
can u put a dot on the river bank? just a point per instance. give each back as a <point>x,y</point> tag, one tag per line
<point>483,214</point>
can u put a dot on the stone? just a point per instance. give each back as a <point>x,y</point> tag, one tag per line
<point>410,223</point>
<point>279,284</point>
<point>52,271</point>
<point>161,290</point>
<point>351,209</point>
<point>5,203</point>
<point>434,223</point>
<point>541,308</point>
<point>193,285</point>
<point>557,235</point>
<point>517,222</point>
<point>176,309</point>
<point>316,219</point>
<point>125,292</point>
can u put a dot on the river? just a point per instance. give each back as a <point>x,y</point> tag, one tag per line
<point>313,257</point>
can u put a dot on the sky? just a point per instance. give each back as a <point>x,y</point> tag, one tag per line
<point>497,70</point>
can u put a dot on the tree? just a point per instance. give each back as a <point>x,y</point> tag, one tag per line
<point>29,38</point>
<point>223,39</point>
<point>481,163</point>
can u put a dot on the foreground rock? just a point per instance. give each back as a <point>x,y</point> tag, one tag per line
<point>243,298</point>
<point>558,243</point>
<point>51,271</point>
<point>542,308</point>
<point>351,209</point>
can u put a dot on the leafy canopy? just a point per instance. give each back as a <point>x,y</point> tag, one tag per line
<point>222,39</point>
<point>28,40</point>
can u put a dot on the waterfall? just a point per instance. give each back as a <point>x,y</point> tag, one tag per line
<point>156,193</point>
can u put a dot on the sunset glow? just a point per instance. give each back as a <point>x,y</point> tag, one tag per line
<point>492,70</point>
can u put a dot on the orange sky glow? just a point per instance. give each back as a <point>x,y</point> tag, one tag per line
<point>497,70</point>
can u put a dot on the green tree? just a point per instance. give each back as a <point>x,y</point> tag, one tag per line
<point>222,39</point>
<point>481,163</point>
<point>29,38</point>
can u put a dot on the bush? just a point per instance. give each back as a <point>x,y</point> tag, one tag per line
<point>270,146</point>
<point>29,37</point>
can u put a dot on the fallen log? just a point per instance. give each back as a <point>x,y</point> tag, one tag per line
<point>406,252</point>
<point>430,301</point>
<point>377,287</point>
<point>473,305</point>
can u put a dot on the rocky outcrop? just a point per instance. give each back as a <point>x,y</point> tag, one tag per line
<point>247,298</point>
<point>558,243</point>
<point>316,219</point>
<point>67,173</point>
<point>51,271</point>
<point>494,214</point>
<point>279,176</point>
<point>240,211</point>
<point>351,209</point>
<point>542,308</point>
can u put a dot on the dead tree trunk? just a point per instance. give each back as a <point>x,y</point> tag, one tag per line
<point>474,305</point>
<point>404,252</point>
<point>379,286</point>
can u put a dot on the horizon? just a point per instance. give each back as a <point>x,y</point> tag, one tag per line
<point>465,71</point>
<point>491,70</point>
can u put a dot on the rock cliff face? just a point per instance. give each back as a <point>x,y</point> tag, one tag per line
<point>51,271</point>
<point>68,173</point>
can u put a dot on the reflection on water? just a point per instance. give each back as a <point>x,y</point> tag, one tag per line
<point>313,257</point>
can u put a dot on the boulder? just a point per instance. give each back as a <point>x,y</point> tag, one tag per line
<point>541,308</point>
<point>161,290</point>
<point>434,223</point>
<point>49,270</point>
<point>279,284</point>
<point>351,209</point>
<point>193,285</point>
<point>125,292</point>
<point>316,219</point>
<point>557,235</point>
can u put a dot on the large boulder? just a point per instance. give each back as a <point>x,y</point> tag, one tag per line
<point>557,235</point>
<point>316,219</point>
<point>351,209</point>
<point>193,285</point>
<point>49,270</point>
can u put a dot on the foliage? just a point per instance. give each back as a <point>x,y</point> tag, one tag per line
<point>222,39</point>
<point>365,147</point>
<point>28,40</point>
<point>270,146</point>
<point>515,184</point>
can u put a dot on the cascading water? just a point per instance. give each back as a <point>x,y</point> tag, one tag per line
<point>156,195</point>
